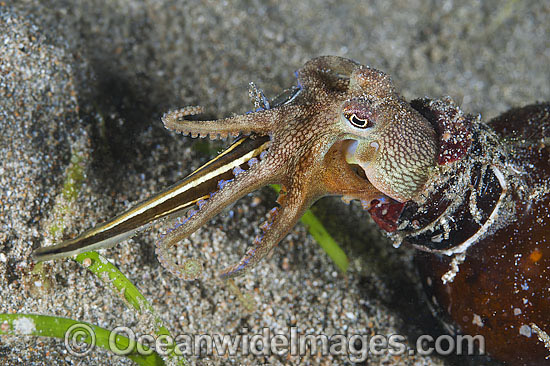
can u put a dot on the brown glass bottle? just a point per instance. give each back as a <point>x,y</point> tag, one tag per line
<point>502,288</point>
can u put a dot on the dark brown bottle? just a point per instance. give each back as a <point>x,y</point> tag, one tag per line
<point>483,227</point>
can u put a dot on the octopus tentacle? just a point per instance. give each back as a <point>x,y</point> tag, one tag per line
<point>283,219</point>
<point>229,191</point>
<point>261,122</point>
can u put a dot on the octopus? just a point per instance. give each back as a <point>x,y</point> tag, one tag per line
<point>344,130</point>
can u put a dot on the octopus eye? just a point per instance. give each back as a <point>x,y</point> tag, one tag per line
<point>358,122</point>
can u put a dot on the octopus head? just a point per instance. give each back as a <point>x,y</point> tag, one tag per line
<point>391,142</point>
